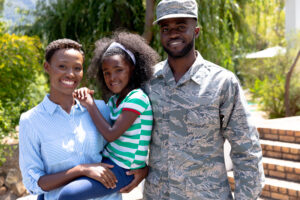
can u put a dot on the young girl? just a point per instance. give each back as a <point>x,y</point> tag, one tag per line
<point>124,64</point>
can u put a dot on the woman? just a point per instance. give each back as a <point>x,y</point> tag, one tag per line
<point>58,141</point>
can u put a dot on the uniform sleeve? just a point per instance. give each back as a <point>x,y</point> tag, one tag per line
<point>246,153</point>
<point>30,160</point>
<point>138,102</point>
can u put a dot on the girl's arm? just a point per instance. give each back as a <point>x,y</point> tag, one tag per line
<point>110,133</point>
<point>99,172</point>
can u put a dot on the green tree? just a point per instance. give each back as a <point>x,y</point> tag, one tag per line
<point>1,6</point>
<point>85,21</point>
<point>22,81</point>
<point>223,31</point>
<point>266,20</point>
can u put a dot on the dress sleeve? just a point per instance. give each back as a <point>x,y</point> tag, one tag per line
<point>246,153</point>
<point>138,102</point>
<point>30,160</point>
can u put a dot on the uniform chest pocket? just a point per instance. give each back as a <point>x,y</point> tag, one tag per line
<point>202,117</point>
<point>203,126</point>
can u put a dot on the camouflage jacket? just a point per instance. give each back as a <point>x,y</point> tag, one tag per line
<point>192,119</point>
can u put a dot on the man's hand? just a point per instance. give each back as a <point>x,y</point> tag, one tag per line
<point>100,172</point>
<point>139,175</point>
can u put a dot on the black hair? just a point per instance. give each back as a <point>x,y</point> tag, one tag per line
<point>145,57</point>
<point>61,44</point>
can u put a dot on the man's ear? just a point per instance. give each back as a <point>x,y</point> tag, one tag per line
<point>197,31</point>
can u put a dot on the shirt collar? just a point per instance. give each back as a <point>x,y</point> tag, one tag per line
<point>192,73</point>
<point>50,106</point>
<point>78,105</point>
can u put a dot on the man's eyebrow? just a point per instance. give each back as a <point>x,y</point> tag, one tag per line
<point>181,22</point>
<point>162,25</point>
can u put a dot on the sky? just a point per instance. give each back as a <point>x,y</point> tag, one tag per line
<point>10,11</point>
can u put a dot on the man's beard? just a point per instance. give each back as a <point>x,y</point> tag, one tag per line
<point>183,52</point>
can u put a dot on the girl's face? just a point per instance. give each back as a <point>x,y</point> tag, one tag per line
<point>65,72</point>
<point>117,71</point>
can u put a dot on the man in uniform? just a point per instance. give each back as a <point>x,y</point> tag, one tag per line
<point>197,105</point>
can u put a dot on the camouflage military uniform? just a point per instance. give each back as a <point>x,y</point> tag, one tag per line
<point>192,119</point>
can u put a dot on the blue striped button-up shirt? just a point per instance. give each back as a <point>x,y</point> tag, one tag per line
<point>51,140</point>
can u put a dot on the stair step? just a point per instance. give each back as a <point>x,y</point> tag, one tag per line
<point>279,135</point>
<point>283,169</point>
<point>282,129</point>
<point>280,150</point>
<point>275,189</point>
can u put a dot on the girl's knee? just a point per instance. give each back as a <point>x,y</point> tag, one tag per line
<point>68,193</point>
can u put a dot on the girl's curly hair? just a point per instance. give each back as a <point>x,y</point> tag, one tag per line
<point>145,56</point>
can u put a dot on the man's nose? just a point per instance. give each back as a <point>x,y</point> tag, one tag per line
<point>173,33</point>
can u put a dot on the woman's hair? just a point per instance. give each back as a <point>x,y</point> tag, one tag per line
<point>145,57</point>
<point>61,44</point>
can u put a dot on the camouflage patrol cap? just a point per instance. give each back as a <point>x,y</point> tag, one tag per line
<point>176,9</point>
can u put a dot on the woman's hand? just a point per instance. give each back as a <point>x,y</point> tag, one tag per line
<point>85,96</point>
<point>100,172</point>
<point>139,175</point>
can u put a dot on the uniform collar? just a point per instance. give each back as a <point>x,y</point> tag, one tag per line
<point>50,106</point>
<point>194,73</point>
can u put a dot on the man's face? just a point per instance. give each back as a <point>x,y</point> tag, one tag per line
<point>177,36</point>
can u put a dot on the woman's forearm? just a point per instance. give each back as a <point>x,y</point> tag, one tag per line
<point>54,181</point>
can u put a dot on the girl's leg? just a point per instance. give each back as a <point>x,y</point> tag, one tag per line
<point>86,188</point>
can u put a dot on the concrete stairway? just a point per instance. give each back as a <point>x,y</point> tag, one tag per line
<point>280,142</point>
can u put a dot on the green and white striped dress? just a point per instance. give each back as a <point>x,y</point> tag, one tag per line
<point>130,150</point>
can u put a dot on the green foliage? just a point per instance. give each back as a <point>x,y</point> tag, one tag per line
<point>266,77</point>
<point>266,80</point>
<point>22,81</point>
<point>269,93</point>
<point>223,32</point>
<point>266,20</point>
<point>1,6</point>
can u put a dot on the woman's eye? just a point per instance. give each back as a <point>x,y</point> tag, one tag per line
<point>61,66</point>
<point>78,69</point>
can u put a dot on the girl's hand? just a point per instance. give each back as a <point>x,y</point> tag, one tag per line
<point>100,172</point>
<point>85,96</point>
<point>139,175</point>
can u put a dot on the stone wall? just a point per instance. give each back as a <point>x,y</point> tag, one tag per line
<point>11,186</point>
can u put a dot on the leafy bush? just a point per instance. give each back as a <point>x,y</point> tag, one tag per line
<point>266,80</point>
<point>22,81</point>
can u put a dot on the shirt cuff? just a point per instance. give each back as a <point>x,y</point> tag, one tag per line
<point>31,183</point>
